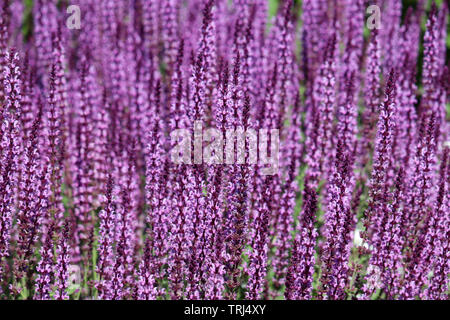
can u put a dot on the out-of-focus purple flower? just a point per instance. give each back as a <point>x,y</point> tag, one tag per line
<point>406,117</point>
<point>433,64</point>
<point>4,37</point>
<point>392,12</point>
<point>283,30</point>
<point>371,97</point>
<point>205,74</point>
<point>170,13</point>
<point>46,19</point>
<point>347,114</point>
<point>315,22</point>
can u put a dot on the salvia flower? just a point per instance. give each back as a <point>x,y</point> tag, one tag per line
<point>301,269</point>
<point>9,150</point>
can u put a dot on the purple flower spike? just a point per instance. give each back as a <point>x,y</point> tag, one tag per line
<point>45,267</point>
<point>339,227</point>
<point>62,264</point>
<point>300,274</point>
<point>9,150</point>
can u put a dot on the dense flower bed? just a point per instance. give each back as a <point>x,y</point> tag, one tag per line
<point>95,203</point>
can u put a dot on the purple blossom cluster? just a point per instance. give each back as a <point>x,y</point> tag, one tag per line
<point>94,206</point>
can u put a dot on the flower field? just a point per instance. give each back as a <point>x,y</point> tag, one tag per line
<point>215,149</point>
